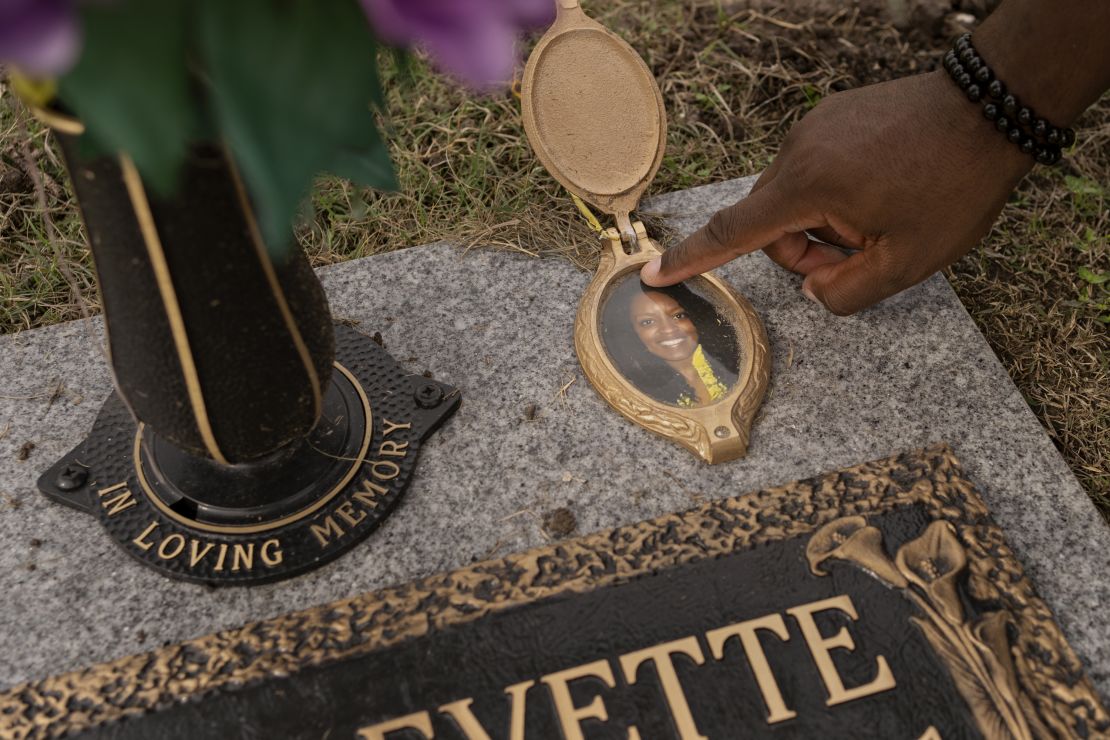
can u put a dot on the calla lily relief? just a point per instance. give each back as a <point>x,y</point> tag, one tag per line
<point>853,540</point>
<point>933,562</point>
<point>927,571</point>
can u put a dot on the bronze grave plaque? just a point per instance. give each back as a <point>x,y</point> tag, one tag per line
<point>878,601</point>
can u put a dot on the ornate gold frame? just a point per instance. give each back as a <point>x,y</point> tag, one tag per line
<point>716,433</point>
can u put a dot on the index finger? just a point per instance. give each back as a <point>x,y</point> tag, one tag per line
<point>750,224</point>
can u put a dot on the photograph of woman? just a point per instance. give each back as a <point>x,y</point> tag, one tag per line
<point>671,343</point>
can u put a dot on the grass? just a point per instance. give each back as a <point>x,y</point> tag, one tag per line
<point>734,81</point>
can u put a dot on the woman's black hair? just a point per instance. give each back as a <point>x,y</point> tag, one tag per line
<point>650,373</point>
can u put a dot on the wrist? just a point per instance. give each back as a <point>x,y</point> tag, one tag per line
<point>1051,58</point>
<point>1023,126</point>
<point>975,142</point>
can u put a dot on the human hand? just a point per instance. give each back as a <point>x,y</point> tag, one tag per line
<point>908,172</point>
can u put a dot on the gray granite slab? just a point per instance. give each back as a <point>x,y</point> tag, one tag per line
<point>498,325</point>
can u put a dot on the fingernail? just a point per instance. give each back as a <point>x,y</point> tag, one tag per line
<point>809,294</point>
<point>650,271</point>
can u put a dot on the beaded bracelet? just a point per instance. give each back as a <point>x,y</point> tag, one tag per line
<point>1033,135</point>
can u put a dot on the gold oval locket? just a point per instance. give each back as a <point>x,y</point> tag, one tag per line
<point>690,362</point>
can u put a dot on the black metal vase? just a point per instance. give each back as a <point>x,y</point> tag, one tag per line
<point>241,423</point>
<point>197,309</point>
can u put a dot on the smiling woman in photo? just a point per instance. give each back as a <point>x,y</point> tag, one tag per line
<point>670,343</point>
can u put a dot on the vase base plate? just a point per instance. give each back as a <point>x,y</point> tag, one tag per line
<point>193,519</point>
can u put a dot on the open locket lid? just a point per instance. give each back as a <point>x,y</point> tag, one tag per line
<point>698,372</point>
<point>593,113</point>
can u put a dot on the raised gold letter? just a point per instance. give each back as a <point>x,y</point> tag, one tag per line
<point>421,721</point>
<point>820,646</point>
<point>469,724</point>
<point>195,556</point>
<point>749,640</point>
<point>389,465</point>
<point>347,513</point>
<point>389,448</point>
<point>220,557</point>
<point>570,716</point>
<point>141,539</point>
<point>119,503</point>
<point>390,427</point>
<point>271,552</point>
<point>672,689</point>
<point>163,551</point>
<point>322,532</point>
<point>368,495</point>
<point>244,555</point>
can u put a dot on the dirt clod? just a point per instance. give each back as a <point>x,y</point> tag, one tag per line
<point>25,450</point>
<point>560,523</point>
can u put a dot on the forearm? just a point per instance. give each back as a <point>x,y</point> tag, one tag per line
<point>1052,54</point>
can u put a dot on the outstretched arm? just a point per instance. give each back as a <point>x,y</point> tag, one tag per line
<point>909,172</point>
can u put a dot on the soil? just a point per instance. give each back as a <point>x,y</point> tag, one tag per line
<point>560,523</point>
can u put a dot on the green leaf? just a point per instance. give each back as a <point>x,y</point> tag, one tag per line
<point>813,96</point>
<point>370,166</point>
<point>402,67</point>
<point>292,86</point>
<point>130,85</point>
<point>1093,277</point>
<point>1082,186</point>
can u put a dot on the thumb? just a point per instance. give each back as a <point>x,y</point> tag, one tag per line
<point>850,285</point>
<point>750,224</point>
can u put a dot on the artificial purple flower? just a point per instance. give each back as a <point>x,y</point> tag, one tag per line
<point>40,37</point>
<point>473,40</point>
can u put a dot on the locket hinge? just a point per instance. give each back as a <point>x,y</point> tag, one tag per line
<point>629,238</point>
<point>628,232</point>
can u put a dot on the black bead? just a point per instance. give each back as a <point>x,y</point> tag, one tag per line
<point>1053,137</point>
<point>983,74</point>
<point>1002,123</point>
<point>1040,128</point>
<point>1015,135</point>
<point>1010,105</point>
<point>1048,155</point>
<point>997,90</point>
<point>964,80</point>
<point>963,42</point>
<point>974,93</point>
<point>950,59</point>
<point>1025,117</point>
<point>990,110</point>
<point>1067,137</point>
<point>975,64</point>
<point>967,55</point>
<point>1028,145</point>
